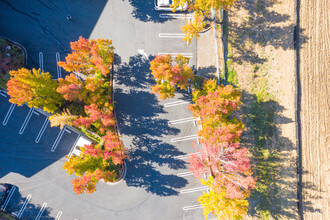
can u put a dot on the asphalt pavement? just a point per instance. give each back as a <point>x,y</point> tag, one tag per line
<point>158,134</point>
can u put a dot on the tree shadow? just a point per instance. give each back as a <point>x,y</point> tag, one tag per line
<point>145,11</point>
<point>137,112</point>
<point>146,156</point>
<point>31,210</point>
<point>275,194</point>
<point>135,73</point>
<point>261,27</point>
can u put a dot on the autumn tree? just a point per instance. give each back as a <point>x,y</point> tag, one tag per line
<point>89,170</point>
<point>72,88</point>
<point>204,5</point>
<point>194,27</point>
<point>100,119</point>
<point>62,119</point>
<point>219,205</point>
<point>89,57</point>
<point>96,162</point>
<point>169,73</point>
<point>216,106</point>
<point>36,89</point>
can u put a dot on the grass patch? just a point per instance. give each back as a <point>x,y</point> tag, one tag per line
<point>232,75</point>
<point>261,113</point>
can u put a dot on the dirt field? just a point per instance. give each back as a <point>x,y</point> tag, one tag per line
<point>262,55</point>
<point>315,106</point>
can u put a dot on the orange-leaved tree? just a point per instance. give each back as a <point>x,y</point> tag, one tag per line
<point>36,89</point>
<point>169,73</point>
<point>89,57</point>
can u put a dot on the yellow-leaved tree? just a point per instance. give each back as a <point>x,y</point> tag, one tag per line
<point>219,205</point>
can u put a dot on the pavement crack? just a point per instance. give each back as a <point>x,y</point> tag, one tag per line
<point>43,28</point>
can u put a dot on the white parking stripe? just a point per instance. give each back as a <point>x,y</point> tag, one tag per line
<point>185,138</point>
<point>58,216</point>
<point>183,16</point>
<point>196,189</point>
<point>10,111</point>
<point>42,130</point>
<point>3,94</point>
<point>170,104</point>
<point>26,121</point>
<point>59,74</point>
<point>185,174</point>
<point>20,213</point>
<point>36,113</point>
<point>41,61</point>
<point>181,157</point>
<point>59,136</point>
<point>41,211</point>
<point>171,35</point>
<point>176,54</point>
<point>182,120</point>
<point>186,208</point>
<point>10,194</point>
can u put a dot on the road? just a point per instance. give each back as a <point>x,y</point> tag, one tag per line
<point>158,134</point>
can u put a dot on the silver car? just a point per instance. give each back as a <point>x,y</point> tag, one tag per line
<point>165,5</point>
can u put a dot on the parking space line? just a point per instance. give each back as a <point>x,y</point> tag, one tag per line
<point>196,189</point>
<point>41,61</point>
<point>3,94</point>
<point>191,207</point>
<point>171,35</point>
<point>181,157</point>
<point>10,194</point>
<point>20,213</point>
<point>190,55</point>
<point>73,146</point>
<point>183,16</point>
<point>182,120</point>
<point>27,119</point>
<point>58,216</point>
<point>10,111</point>
<point>185,138</point>
<point>59,74</point>
<point>59,136</point>
<point>36,113</point>
<point>41,211</point>
<point>185,174</point>
<point>42,130</point>
<point>170,104</point>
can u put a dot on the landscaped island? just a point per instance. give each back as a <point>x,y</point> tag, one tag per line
<point>82,99</point>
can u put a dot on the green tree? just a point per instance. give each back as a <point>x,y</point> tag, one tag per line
<point>36,89</point>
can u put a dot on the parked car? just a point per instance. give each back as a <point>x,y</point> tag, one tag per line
<point>165,5</point>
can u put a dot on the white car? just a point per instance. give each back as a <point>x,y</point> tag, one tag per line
<point>165,5</point>
<point>76,151</point>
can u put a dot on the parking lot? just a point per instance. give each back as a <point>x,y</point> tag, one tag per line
<point>158,134</point>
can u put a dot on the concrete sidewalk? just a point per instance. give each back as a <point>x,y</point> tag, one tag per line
<point>206,57</point>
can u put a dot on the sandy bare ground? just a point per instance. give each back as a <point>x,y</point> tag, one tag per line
<point>315,106</point>
<point>262,52</point>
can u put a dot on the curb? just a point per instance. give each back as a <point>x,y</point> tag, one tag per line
<point>121,178</point>
<point>19,45</point>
